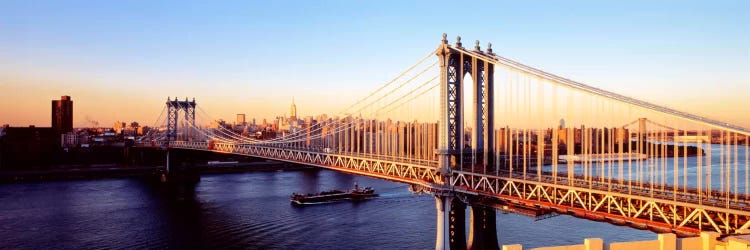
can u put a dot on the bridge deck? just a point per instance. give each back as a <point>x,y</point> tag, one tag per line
<point>658,207</point>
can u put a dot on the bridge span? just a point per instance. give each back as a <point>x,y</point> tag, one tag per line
<point>422,128</point>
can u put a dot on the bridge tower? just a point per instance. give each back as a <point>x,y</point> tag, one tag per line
<point>455,63</point>
<point>173,113</point>
<point>173,110</point>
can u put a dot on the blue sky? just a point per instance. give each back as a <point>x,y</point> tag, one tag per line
<point>120,60</point>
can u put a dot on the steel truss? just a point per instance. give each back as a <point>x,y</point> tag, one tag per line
<point>608,202</point>
<point>424,175</point>
<point>613,204</point>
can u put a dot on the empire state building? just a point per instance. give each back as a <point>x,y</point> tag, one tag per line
<point>293,111</point>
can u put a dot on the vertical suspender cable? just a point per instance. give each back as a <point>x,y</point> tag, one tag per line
<point>699,174</point>
<point>721,162</point>
<point>675,154</point>
<point>736,166</point>
<point>684,164</point>
<point>709,164</point>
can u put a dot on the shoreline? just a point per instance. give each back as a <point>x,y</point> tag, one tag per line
<point>107,171</point>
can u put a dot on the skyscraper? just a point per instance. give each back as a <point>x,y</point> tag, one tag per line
<point>240,119</point>
<point>62,114</point>
<point>293,110</point>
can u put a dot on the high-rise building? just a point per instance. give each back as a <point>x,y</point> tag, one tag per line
<point>62,114</point>
<point>293,110</point>
<point>240,119</point>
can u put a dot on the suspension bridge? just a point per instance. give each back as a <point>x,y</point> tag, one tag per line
<point>473,128</point>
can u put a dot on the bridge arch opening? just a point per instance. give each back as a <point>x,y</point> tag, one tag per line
<point>471,119</point>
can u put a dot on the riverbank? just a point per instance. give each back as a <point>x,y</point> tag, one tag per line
<point>102,171</point>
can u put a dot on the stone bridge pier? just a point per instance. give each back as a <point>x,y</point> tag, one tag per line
<point>451,224</point>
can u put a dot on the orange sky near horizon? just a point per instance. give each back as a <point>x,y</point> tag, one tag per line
<point>26,101</point>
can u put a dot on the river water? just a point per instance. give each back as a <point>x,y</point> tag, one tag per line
<point>252,211</point>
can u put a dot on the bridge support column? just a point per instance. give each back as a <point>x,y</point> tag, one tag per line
<point>483,229</point>
<point>450,223</point>
<point>442,239</point>
<point>164,175</point>
<point>167,161</point>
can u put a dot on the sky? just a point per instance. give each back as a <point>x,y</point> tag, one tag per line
<point>120,60</point>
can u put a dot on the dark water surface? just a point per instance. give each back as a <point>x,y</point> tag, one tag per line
<point>249,210</point>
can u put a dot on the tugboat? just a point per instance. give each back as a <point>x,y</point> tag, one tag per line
<point>356,194</point>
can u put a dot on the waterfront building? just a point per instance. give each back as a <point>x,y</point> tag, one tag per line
<point>62,115</point>
<point>21,147</point>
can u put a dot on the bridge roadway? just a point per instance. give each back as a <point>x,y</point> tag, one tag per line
<point>661,209</point>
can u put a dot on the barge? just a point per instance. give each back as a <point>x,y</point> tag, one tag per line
<point>356,194</point>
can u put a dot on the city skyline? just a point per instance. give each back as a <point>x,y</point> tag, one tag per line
<point>121,62</point>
